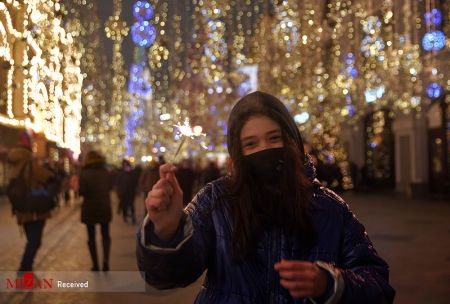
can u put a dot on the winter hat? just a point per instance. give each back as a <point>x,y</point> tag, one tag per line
<point>263,104</point>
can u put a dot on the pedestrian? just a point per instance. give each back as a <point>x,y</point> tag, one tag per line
<point>186,177</point>
<point>36,178</point>
<point>266,233</point>
<point>126,186</point>
<point>149,177</point>
<point>95,187</point>
<point>74,182</point>
<point>211,172</point>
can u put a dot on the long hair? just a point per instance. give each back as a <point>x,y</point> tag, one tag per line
<point>248,198</point>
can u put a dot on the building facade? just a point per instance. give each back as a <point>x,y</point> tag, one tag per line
<point>40,78</point>
<point>413,144</point>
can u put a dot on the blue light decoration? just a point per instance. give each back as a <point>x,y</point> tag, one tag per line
<point>291,31</point>
<point>434,90</point>
<point>137,83</point>
<point>350,109</point>
<point>130,126</point>
<point>350,70</point>
<point>433,41</point>
<point>371,46</point>
<point>143,33</point>
<point>434,17</point>
<point>142,10</point>
<point>372,23</point>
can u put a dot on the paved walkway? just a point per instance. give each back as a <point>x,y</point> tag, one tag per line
<point>413,236</point>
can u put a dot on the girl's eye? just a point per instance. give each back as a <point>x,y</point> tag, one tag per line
<point>249,144</point>
<point>275,138</point>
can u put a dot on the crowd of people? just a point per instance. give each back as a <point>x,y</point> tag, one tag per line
<point>93,180</point>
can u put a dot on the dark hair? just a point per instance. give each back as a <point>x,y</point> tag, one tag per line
<point>247,196</point>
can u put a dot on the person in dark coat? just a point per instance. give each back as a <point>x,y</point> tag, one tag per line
<point>149,177</point>
<point>211,172</point>
<point>186,177</point>
<point>126,186</point>
<point>266,233</point>
<point>21,160</point>
<point>95,187</point>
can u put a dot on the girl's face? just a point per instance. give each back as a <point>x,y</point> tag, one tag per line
<point>260,133</point>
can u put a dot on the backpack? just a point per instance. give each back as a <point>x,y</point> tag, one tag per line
<point>24,198</point>
<point>17,191</point>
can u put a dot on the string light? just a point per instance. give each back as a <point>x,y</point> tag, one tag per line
<point>117,30</point>
<point>47,73</point>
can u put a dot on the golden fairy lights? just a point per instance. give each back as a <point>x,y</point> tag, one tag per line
<point>43,76</point>
<point>82,21</point>
<point>330,62</point>
<point>117,30</point>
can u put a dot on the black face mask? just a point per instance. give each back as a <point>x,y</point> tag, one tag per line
<point>266,165</point>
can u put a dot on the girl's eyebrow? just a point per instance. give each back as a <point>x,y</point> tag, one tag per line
<point>274,131</point>
<point>248,137</point>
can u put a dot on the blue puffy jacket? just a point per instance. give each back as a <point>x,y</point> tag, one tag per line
<point>203,239</point>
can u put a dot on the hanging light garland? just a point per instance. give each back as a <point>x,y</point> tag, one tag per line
<point>116,30</point>
<point>46,77</point>
<point>140,91</point>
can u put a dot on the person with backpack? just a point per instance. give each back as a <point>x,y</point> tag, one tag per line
<point>29,186</point>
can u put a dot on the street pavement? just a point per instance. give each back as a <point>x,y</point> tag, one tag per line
<point>413,236</point>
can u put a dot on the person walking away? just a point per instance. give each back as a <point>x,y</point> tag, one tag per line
<point>126,190</point>
<point>23,165</point>
<point>186,176</point>
<point>95,187</point>
<point>149,177</point>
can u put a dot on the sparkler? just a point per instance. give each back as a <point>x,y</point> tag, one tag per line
<point>187,131</point>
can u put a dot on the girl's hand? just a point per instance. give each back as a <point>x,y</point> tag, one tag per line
<point>302,278</point>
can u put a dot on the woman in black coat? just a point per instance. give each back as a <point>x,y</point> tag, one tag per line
<point>95,187</point>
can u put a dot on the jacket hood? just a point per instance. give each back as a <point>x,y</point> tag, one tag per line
<point>260,103</point>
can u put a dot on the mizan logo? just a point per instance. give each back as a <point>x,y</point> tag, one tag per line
<point>28,281</point>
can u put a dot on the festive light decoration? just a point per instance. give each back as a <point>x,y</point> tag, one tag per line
<point>143,33</point>
<point>337,63</point>
<point>433,17</point>
<point>434,90</point>
<point>42,77</point>
<point>137,84</point>
<point>433,41</point>
<point>82,21</point>
<point>140,98</point>
<point>142,10</point>
<point>379,145</point>
<point>118,110</point>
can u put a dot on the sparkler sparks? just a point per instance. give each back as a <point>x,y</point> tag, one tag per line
<point>186,131</point>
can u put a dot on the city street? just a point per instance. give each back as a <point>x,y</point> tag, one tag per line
<point>413,236</point>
